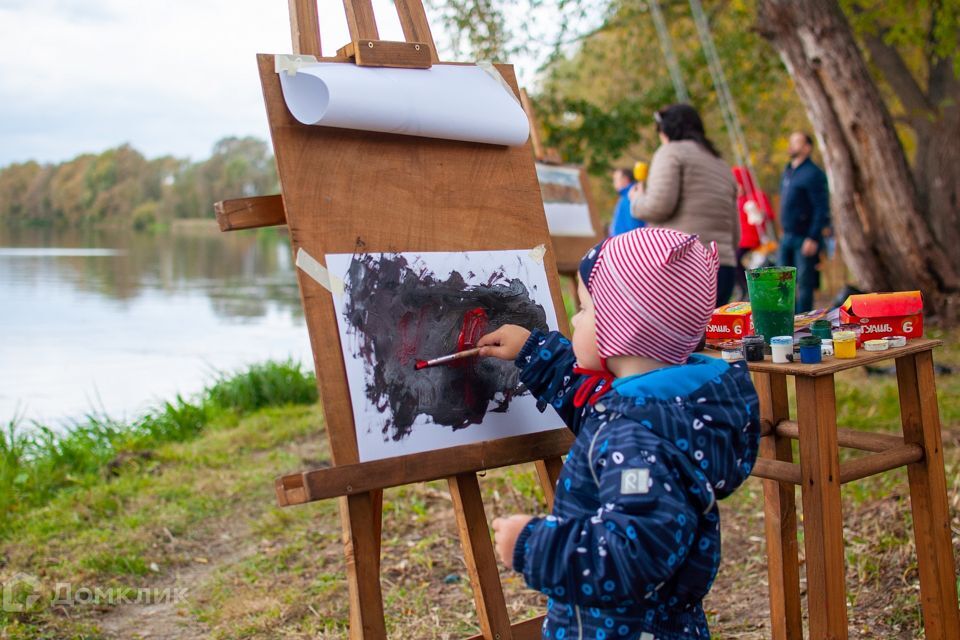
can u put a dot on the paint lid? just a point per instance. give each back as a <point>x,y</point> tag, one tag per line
<point>782,341</point>
<point>731,355</point>
<point>876,345</point>
<point>896,341</point>
<point>754,340</point>
<point>844,336</point>
<point>810,341</point>
<point>821,324</point>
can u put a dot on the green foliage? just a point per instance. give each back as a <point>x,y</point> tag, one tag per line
<point>38,463</point>
<point>931,26</point>
<point>264,385</point>
<point>120,187</point>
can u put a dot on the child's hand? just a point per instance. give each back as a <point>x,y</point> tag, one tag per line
<point>506,532</point>
<point>504,343</point>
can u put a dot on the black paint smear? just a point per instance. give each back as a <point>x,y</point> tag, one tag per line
<point>400,314</point>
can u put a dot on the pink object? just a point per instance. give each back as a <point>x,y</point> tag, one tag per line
<point>654,291</point>
<point>750,233</point>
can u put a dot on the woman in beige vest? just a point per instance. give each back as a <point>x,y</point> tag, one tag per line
<point>691,189</point>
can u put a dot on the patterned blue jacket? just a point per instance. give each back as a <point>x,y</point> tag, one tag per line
<point>633,543</point>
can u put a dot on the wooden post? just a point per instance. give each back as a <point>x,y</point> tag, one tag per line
<point>822,517</point>
<point>779,514</point>
<point>361,541</point>
<point>479,556</point>
<point>928,496</point>
<point>305,27</point>
<point>548,470</point>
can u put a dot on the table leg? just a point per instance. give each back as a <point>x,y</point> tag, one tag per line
<point>920,418</point>
<point>822,517</point>
<point>779,515</point>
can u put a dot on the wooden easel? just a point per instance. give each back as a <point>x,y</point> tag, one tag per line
<point>424,194</point>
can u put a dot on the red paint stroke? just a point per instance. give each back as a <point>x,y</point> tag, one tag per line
<point>410,337</point>
<point>474,326</point>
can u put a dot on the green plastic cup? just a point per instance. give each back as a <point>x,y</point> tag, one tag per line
<point>773,292</point>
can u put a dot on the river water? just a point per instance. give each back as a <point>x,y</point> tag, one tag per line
<point>112,322</point>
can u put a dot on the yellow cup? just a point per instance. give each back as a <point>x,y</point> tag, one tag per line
<point>640,171</point>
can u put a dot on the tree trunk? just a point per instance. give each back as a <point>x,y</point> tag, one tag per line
<point>936,166</point>
<point>877,215</point>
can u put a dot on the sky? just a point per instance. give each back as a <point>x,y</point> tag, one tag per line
<point>166,76</point>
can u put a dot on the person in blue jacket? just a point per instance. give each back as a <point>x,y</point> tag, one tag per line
<point>623,220</point>
<point>804,214</point>
<point>632,545</point>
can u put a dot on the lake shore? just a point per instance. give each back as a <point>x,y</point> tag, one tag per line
<point>196,515</point>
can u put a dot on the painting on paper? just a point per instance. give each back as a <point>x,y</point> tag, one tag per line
<point>564,201</point>
<point>399,308</point>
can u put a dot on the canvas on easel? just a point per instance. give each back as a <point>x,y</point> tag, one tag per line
<point>350,196</point>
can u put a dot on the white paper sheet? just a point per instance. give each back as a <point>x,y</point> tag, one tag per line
<point>478,267</point>
<point>564,201</point>
<point>565,219</point>
<point>453,102</point>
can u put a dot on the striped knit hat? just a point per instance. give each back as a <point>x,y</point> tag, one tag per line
<point>654,291</point>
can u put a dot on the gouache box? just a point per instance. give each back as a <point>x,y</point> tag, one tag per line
<point>885,314</point>
<point>730,322</point>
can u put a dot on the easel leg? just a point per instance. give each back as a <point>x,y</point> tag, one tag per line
<point>361,540</point>
<point>479,556</point>
<point>549,472</point>
<point>920,417</point>
<point>780,515</point>
<point>822,516</point>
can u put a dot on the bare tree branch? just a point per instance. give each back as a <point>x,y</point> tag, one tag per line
<point>895,71</point>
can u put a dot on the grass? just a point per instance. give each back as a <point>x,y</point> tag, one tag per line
<point>199,511</point>
<point>37,463</point>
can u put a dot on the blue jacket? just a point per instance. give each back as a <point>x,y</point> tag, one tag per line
<point>623,220</point>
<point>804,200</point>
<point>633,543</point>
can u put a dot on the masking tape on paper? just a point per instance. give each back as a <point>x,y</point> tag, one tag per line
<point>538,252</point>
<point>494,73</point>
<point>290,64</point>
<point>319,273</point>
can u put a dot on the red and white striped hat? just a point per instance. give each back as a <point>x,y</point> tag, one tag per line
<point>654,291</point>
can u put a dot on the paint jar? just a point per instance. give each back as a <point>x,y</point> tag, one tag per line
<point>810,350</point>
<point>896,341</point>
<point>822,329</point>
<point>855,328</point>
<point>876,345</point>
<point>753,348</point>
<point>781,349</point>
<point>826,347</point>
<point>731,355</point>
<point>844,344</point>
<point>773,293</point>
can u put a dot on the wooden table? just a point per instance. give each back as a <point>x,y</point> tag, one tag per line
<point>820,474</point>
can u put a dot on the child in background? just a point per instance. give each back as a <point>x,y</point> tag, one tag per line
<point>633,543</point>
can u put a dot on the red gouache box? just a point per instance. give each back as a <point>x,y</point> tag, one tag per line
<point>885,314</point>
<point>730,322</point>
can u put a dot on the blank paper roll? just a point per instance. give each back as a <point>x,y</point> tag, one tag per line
<point>453,102</point>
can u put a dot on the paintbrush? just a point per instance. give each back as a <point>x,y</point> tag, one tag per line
<point>423,364</point>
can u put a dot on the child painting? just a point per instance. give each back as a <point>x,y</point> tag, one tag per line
<point>633,543</point>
